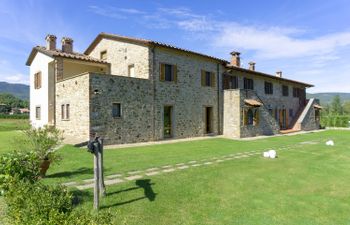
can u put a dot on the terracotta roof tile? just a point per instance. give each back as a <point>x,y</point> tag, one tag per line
<point>253,102</point>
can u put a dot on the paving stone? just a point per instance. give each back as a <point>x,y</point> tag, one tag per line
<point>168,170</point>
<point>152,173</point>
<point>70,183</point>
<point>85,186</point>
<point>208,163</point>
<point>135,177</point>
<point>152,169</point>
<point>114,181</point>
<point>219,160</point>
<point>134,172</point>
<point>89,180</point>
<point>113,176</point>
<point>183,167</point>
<point>180,164</point>
<point>167,166</point>
<point>195,165</point>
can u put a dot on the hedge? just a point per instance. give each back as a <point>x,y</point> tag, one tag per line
<point>14,116</point>
<point>335,121</point>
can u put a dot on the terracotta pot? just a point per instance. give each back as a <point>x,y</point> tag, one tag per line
<point>45,164</point>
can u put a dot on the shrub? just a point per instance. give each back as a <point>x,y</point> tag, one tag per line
<point>14,116</point>
<point>36,203</point>
<point>18,165</point>
<point>335,121</point>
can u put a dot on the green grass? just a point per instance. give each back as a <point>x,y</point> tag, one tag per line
<point>307,184</point>
<point>13,124</point>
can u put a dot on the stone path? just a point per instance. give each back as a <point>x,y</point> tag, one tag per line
<point>138,174</point>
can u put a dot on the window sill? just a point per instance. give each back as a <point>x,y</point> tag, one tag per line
<point>65,119</point>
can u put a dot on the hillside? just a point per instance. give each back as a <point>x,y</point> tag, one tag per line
<point>19,90</point>
<point>326,97</point>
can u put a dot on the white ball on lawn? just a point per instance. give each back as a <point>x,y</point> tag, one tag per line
<point>266,154</point>
<point>272,154</point>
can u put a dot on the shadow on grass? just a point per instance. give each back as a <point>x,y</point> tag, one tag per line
<point>80,171</point>
<point>145,184</point>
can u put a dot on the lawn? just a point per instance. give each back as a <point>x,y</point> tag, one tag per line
<point>306,184</point>
<point>13,124</point>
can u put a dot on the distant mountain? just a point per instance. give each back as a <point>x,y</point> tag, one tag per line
<point>19,90</point>
<point>326,97</point>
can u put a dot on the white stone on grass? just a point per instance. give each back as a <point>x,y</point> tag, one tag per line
<point>330,143</point>
<point>114,181</point>
<point>183,167</point>
<point>152,173</point>
<point>169,170</point>
<point>113,176</point>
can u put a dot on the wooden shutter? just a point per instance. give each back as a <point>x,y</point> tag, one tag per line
<point>245,116</point>
<point>175,73</point>
<point>203,77</point>
<point>287,118</point>
<point>39,80</point>
<point>162,72</point>
<point>212,79</point>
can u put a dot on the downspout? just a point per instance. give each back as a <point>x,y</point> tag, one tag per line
<point>154,90</point>
<point>218,94</point>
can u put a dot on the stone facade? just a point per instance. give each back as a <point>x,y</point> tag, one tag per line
<point>93,90</point>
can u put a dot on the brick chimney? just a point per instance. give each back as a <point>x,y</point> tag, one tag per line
<point>279,74</point>
<point>51,42</point>
<point>67,44</point>
<point>235,59</point>
<point>252,66</point>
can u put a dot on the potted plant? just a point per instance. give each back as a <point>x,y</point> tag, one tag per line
<point>44,142</point>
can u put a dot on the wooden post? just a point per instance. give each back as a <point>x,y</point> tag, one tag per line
<point>97,181</point>
<point>100,163</point>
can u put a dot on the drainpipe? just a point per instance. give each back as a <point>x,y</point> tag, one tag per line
<point>218,93</point>
<point>154,90</point>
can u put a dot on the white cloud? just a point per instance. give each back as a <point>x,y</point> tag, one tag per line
<point>15,78</point>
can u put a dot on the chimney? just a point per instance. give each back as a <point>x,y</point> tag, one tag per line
<point>67,44</point>
<point>235,60</point>
<point>51,42</point>
<point>252,66</point>
<point>279,74</point>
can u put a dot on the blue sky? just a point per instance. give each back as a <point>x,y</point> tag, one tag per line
<point>308,40</point>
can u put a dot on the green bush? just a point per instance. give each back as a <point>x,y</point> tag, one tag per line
<point>39,204</point>
<point>335,121</point>
<point>35,203</point>
<point>18,165</point>
<point>14,116</point>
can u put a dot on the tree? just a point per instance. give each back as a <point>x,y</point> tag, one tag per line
<point>9,101</point>
<point>346,107</point>
<point>336,107</point>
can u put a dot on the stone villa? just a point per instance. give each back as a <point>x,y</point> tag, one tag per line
<point>134,90</point>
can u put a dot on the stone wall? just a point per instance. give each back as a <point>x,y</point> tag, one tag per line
<point>122,54</point>
<point>307,120</point>
<point>75,92</point>
<point>136,99</point>
<point>187,96</point>
<point>232,114</point>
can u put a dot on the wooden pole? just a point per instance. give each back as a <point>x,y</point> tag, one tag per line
<point>100,163</point>
<point>97,181</point>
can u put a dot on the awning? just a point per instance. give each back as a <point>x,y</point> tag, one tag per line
<point>317,106</point>
<point>253,102</point>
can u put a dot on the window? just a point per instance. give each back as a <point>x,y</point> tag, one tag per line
<point>207,79</point>
<point>38,112</point>
<point>296,92</point>
<point>131,70</point>
<point>268,88</point>
<point>37,80</point>
<point>230,82</point>
<point>248,83</point>
<point>65,111</point>
<point>116,110</point>
<point>103,55</point>
<point>285,90</point>
<point>168,72</point>
<point>251,116</point>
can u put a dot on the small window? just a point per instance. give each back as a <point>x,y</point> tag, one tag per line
<point>38,112</point>
<point>230,82</point>
<point>268,88</point>
<point>208,79</point>
<point>168,72</point>
<point>296,92</point>
<point>131,70</point>
<point>103,55</point>
<point>65,111</point>
<point>116,110</point>
<point>37,80</point>
<point>248,83</point>
<point>62,111</point>
<point>285,90</point>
